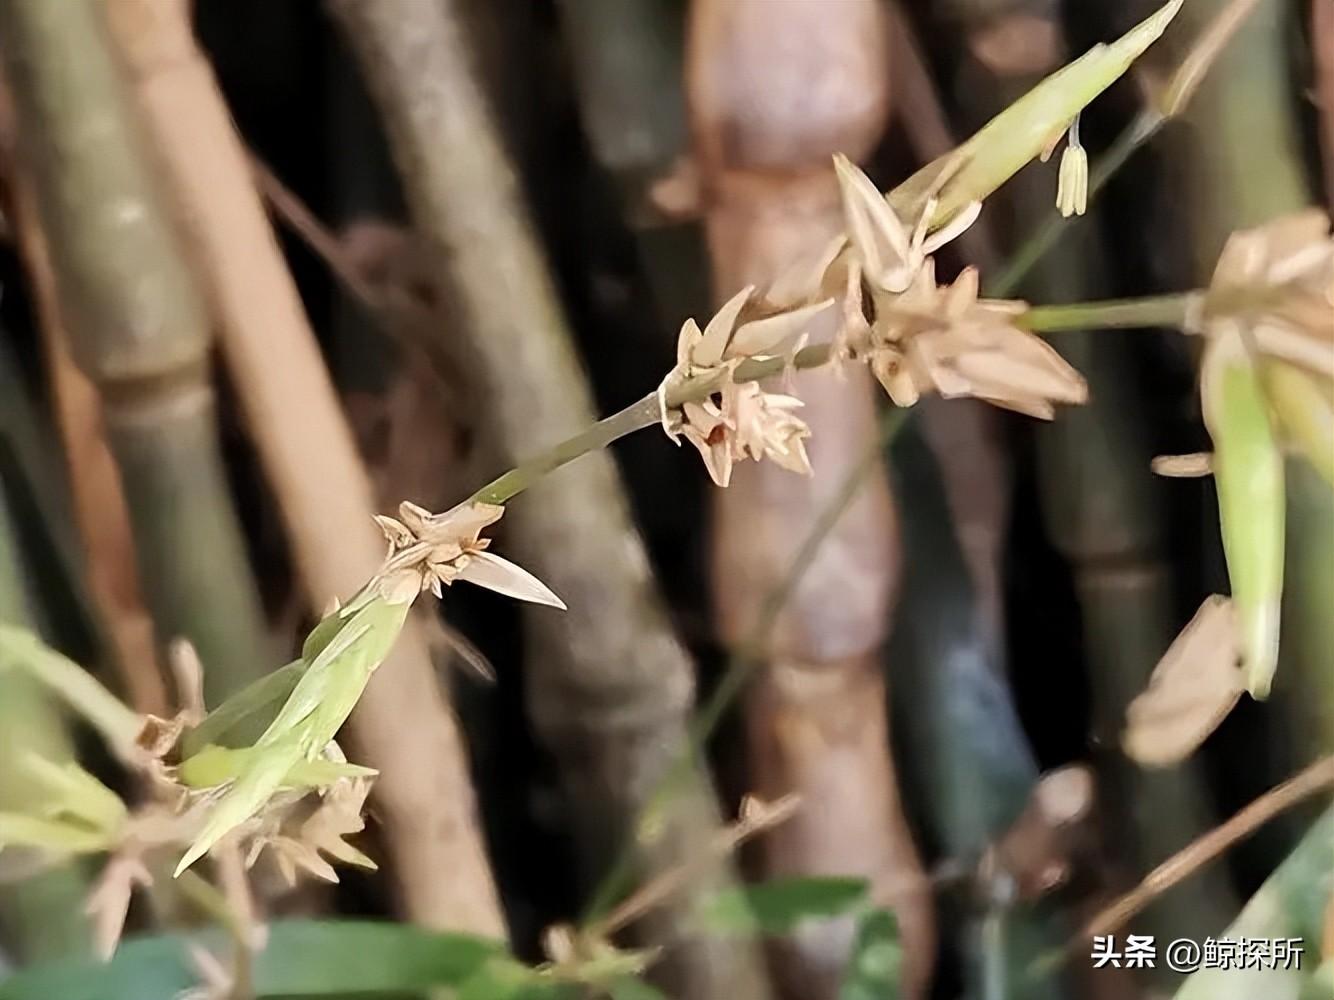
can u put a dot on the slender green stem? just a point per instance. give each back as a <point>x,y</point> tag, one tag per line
<point>636,416</point>
<point>1172,310</point>
<point>1161,310</point>
<point>118,724</point>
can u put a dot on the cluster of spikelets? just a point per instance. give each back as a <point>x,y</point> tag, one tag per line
<point>916,335</point>
<point>287,793</point>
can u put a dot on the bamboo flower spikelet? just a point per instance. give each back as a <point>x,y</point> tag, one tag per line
<point>426,552</point>
<point>889,256</point>
<point>1267,379</point>
<point>943,338</point>
<point>740,420</point>
<point>925,337</point>
<point>429,550</point>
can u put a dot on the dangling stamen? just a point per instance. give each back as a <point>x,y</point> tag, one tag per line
<point>1072,188</point>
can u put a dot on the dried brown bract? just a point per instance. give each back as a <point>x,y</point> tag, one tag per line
<point>1277,282</point>
<point>313,827</point>
<point>1194,686</point>
<point>431,551</point>
<point>944,339</point>
<point>889,254</point>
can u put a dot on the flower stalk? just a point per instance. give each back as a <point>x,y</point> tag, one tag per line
<point>1153,311</point>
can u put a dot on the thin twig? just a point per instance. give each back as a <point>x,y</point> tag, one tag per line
<point>756,817</point>
<point>1173,310</point>
<point>1314,779</point>
<point>315,234</point>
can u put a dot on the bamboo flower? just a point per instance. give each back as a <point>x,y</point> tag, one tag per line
<point>764,426</point>
<point>1267,372</point>
<point>1277,282</point>
<point>943,338</point>
<point>343,651</point>
<point>430,551</point>
<point>890,255</point>
<point>298,838</point>
<point>426,552</point>
<point>741,420</point>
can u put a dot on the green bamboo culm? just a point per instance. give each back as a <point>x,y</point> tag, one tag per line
<point>41,916</point>
<point>137,329</point>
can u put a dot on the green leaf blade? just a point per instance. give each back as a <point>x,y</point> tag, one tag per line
<point>304,958</point>
<point>1023,130</point>
<point>875,965</point>
<point>780,905</point>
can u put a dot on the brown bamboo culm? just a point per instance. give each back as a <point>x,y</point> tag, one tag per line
<point>136,327</point>
<point>402,726</point>
<point>100,510</point>
<point>773,90</point>
<point>609,685</point>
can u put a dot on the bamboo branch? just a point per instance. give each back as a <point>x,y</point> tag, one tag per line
<point>402,723</point>
<point>1292,905</point>
<point>1171,311</point>
<point>136,328</point>
<point>611,694</point>
<point>1311,781</point>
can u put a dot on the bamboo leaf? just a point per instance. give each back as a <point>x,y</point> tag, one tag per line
<point>873,968</point>
<point>22,650</point>
<point>241,719</point>
<point>778,906</point>
<point>632,988</point>
<point>53,836</point>
<point>503,978</point>
<point>1023,130</point>
<point>303,958</point>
